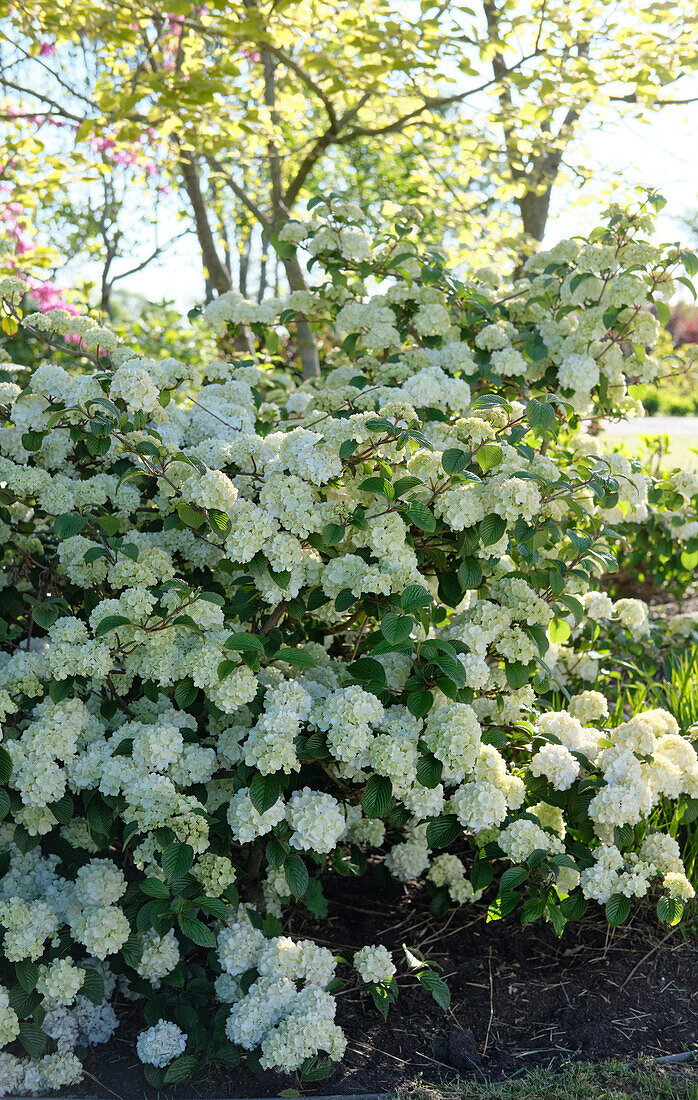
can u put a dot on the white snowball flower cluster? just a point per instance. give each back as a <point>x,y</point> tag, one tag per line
<point>161,1044</point>
<point>374,964</point>
<point>290,1023</point>
<point>317,821</point>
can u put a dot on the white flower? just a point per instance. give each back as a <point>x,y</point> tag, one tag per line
<point>374,964</point>
<point>161,1044</point>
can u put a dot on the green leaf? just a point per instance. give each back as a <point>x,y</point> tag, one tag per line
<point>470,573</point>
<point>420,702</point>
<point>298,657</point>
<point>63,809</point>
<point>296,874</point>
<point>396,628</point>
<point>421,516</point>
<point>5,765</point>
<point>45,615</point>
<point>436,986</point>
<point>33,1039</point>
<point>415,595</point>
<point>378,485</point>
<point>195,930</point>
<point>491,528</point>
<point>23,1003</point>
<point>574,906</point>
<point>443,830</point>
<point>185,693</point>
<point>429,771</point>
<point>245,643</point>
<point>132,951</point>
<point>213,907</point>
<point>488,456</point>
<point>93,986</point>
<point>110,622</point>
<point>377,797</point>
<point>176,860</point>
<point>27,974</point>
<point>61,689</point>
<point>669,910</point>
<point>190,516</point>
<point>623,836</point>
<point>344,599</point>
<point>66,526</point>
<point>155,888</point>
<point>264,792</point>
<point>559,631</point>
<point>347,449</point>
<point>452,668</point>
<point>454,461</point>
<point>557,918</point>
<point>663,312</point>
<point>318,1067</point>
<point>513,877</point>
<point>276,854</point>
<point>24,839</point>
<point>94,554</point>
<point>31,441</point>
<point>533,909</point>
<point>367,671</point>
<point>219,521</point>
<point>182,1068</point>
<point>540,415</point>
<point>332,533</point>
<point>315,900</point>
<point>516,673</point>
<point>99,817</point>
<point>617,909</point>
<point>502,905</point>
<point>688,810</point>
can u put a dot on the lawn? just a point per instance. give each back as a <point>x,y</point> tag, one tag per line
<point>584,1081</point>
<point>680,431</point>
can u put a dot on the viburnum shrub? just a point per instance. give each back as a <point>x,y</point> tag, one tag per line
<point>260,629</point>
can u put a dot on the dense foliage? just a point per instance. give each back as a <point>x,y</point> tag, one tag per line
<point>260,629</point>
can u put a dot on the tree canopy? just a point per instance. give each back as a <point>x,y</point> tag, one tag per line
<point>244,108</point>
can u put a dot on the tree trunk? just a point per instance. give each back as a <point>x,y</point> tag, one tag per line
<point>307,349</point>
<point>534,208</point>
<point>216,271</point>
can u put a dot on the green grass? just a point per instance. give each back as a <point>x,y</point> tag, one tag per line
<point>583,1081</point>
<point>679,452</point>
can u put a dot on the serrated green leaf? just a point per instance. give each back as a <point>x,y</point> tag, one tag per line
<point>296,874</point>
<point>617,909</point>
<point>176,860</point>
<point>66,526</point>
<point>377,796</point>
<point>110,622</point>
<point>185,693</point>
<point>443,830</point>
<point>264,792</point>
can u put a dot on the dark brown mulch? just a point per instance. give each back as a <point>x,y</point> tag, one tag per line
<point>520,998</point>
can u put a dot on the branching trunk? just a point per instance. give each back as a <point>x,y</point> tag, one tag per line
<point>539,176</point>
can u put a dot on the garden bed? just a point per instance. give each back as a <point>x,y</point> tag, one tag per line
<point>520,998</point>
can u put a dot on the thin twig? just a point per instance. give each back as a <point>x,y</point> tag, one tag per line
<point>489,1022</point>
